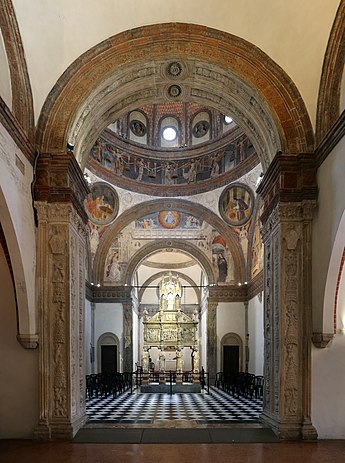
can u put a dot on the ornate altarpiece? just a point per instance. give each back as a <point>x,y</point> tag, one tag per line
<point>170,329</point>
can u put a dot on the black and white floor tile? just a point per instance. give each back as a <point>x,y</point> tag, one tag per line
<point>148,408</point>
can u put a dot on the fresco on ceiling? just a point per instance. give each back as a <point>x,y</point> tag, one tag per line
<point>168,172</point>
<point>102,204</point>
<point>169,220</point>
<point>236,204</point>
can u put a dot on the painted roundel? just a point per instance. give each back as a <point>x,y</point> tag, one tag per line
<point>169,219</point>
<point>102,204</point>
<point>236,204</point>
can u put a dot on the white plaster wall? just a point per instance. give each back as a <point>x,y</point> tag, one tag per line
<point>203,340</point>
<point>18,369</point>
<point>109,319</point>
<point>230,319</point>
<point>63,30</point>
<point>328,386</point>
<point>256,336</point>
<point>88,337</point>
<point>16,191</point>
<point>5,78</point>
<point>328,364</point>
<point>135,339</point>
<point>331,205</point>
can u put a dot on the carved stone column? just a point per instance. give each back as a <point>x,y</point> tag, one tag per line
<point>61,297</point>
<point>127,336</point>
<point>61,257</point>
<point>211,354</point>
<point>287,295</point>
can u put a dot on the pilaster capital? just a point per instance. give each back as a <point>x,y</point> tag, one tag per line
<point>290,178</point>
<point>59,179</point>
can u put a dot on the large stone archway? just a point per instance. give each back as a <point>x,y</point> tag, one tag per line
<point>116,76</point>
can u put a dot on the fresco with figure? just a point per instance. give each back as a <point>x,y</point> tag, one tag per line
<point>169,172</point>
<point>168,220</point>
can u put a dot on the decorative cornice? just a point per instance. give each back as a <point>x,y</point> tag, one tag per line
<point>227,293</point>
<point>59,179</point>
<point>255,286</point>
<point>331,139</point>
<point>321,340</point>
<point>16,132</point>
<point>108,293</point>
<point>289,178</point>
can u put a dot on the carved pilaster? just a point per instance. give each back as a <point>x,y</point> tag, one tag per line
<point>61,289</point>
<point>211,353</point>
<point>127,336</point>
<point>288,192</point>
<point>287,308</point>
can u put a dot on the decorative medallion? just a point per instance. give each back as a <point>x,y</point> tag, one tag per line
<point>102,204</point>
<point>138,128</point>
<point>174,69</point>
<point>169,219</point>
<point>200,129</point>
<point>174,91</point>
<point>236,204</point>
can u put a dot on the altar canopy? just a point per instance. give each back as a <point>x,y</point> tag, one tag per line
<point>170,328</point>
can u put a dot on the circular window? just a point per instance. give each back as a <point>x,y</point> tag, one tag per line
<point>200,129</point>
<point>169,133</point>
<point>228,119</point>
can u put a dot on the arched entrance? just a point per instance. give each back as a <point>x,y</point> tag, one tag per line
<point>269,109</point>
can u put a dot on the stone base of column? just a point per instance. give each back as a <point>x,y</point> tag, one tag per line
<point>42,432</point>
<point>309,433</point>
<point>62,430</point>
<point>162,378</point>
<point>287,430</point>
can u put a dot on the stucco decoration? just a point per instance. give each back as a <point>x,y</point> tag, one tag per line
<point>236,204</point>
<point>102,204</point>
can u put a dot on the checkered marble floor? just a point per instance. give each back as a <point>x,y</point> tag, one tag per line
<point>148,408</point>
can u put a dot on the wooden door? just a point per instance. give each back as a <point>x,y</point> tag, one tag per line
<point>109,359</point>
<point>231,359</point>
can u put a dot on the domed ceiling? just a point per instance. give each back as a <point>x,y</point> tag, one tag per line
<point>172,149</point>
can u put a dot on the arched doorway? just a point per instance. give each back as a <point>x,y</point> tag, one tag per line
<point>108,353</point>
<point>232,353</point>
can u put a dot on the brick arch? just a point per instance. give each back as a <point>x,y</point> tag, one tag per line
<point>22,101</point>
<point>68,108</point>
<point>328,107</point>
<point>180,245</point>
<point>156,205</point>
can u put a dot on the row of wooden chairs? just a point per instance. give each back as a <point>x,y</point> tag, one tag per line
<point>105,384</point>
<point>241,384</point>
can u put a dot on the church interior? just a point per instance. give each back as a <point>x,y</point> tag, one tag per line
<point>172,223</point>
